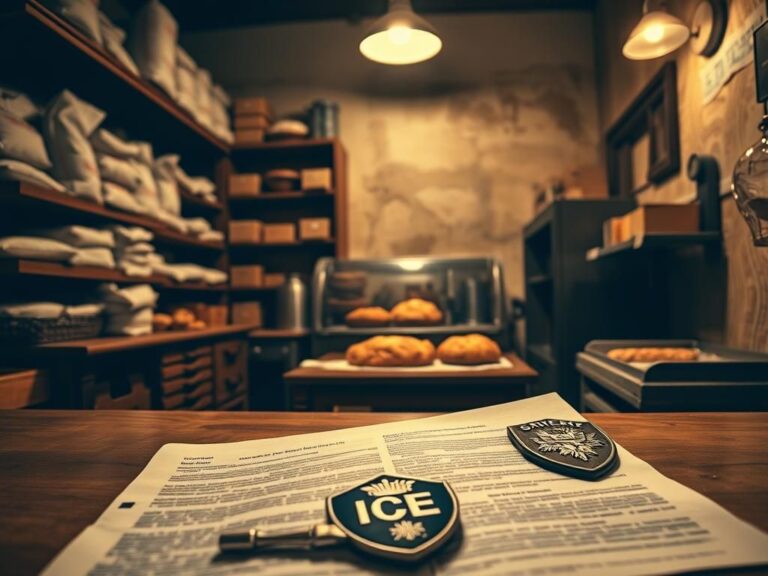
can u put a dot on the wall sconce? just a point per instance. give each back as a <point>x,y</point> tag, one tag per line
<point>400,37</point>
<point>659,33</point>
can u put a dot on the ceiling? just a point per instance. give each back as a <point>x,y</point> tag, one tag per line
<point>213,14</point>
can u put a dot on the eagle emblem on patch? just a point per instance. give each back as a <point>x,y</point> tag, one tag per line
<point>570,447</point>
<point>395,516</point>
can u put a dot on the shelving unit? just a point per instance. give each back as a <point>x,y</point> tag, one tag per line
<point>650,242</point>
<point>289,206</point>
<point>565,302</point>
<point>41,54</point>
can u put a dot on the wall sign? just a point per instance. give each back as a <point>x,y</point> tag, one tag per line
<point>735,53</point>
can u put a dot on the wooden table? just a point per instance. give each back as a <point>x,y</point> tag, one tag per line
<point>379,389</point>
<point>62,468</point>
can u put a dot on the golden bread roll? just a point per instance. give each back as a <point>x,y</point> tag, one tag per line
<point>417,312</point>
<point>468,350</point>
<point>391,351</point>
<point>368,316</point>
<point>653,354</point>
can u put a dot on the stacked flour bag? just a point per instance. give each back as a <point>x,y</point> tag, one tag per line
<point>113,39</point>
<point>128,311</point>
<point>169,199</point>
<point>118,162</point>
<point>152,43</point>
<point>23,155</point>
<point>199,186</point>
<point>220,103</point>
<point>68,125</point>
<point>186,272</point>
<point>93,247</point>
<point>133,250</point>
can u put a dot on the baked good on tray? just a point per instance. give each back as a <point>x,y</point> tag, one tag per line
<point>391,351</point>
<point>654,354</point>
<point>368,316</point>
<point>469,350</point>
<point>417,312</point>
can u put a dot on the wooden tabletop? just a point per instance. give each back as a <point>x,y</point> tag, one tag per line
<point>62,468</point>
<point>519,373</point>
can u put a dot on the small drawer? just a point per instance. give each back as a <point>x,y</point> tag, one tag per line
<point>174,402</point>
<point>128,393</point>
<point>205,389</point>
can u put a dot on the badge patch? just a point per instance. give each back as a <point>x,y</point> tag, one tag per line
<point>396,516</point>
<point>573,448</point>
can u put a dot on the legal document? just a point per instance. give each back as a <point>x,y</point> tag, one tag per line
<point>517,518</point>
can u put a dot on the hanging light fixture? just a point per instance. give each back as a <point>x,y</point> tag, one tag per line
<point>400,37</point>
<point>658,33</point>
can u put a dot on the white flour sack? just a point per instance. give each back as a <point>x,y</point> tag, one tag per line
<point>146,192</point>
<point>20,141</point>
<point>164,169</point>
<point>113,38</point>
<point>202,109</point>
<point>186,80</point>
<point>69,122</point>
<point>83,14</point>
<point>154,34</point>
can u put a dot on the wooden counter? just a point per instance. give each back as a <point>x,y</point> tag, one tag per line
<point>379,389</point>
<point>62,468</point>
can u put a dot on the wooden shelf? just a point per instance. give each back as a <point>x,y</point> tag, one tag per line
<point>21,192</point>
<point>188,198</point>
<point>89,52</point>
<point>266,289</point>
<point>278,196</point>
<point>279,333</point>
<point>106,345</point>
<point>302,243</point>
<point>21,267</point>
<point>654,242</point>
<point>287,144</point>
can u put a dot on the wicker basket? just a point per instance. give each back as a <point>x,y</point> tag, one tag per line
<point>31,331</point>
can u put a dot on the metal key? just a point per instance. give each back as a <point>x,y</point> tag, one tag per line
<point>395,517</point>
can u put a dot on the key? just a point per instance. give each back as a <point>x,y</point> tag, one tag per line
<point>390,516</point>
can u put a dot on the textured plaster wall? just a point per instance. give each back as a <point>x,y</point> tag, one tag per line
<point>723,128</point>
<point>443,155</point>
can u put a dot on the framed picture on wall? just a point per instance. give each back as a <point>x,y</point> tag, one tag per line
<point>643,146</point>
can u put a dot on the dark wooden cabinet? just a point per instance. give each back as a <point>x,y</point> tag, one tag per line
<point>567,303</point>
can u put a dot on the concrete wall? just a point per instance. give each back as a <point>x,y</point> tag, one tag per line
<point>723,128</point>
<point>444,155</point>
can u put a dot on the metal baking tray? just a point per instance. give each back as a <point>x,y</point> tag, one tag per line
<point>717,363</point>
<point>726,379</point>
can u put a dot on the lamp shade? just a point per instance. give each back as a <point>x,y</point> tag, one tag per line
<point>400,37</point>
<point>658,33</point>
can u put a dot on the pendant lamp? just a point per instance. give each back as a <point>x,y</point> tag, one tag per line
<point>400,37</point>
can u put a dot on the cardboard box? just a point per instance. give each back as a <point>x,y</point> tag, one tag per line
<point>274,279</point>
<point>247,313</point>
<point>664,219</point>
<point>211,314</point>
<point>252,121</point>
<point>244,185</point>
<point>314,228</point>
<point>245,231</point>
<point>316,179</point>
<point>249,136</point>
<point>247,276</point>
<point>252,106</point>
<point>279,233</point>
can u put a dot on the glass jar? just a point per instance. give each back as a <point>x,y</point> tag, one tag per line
<point>750,186</point>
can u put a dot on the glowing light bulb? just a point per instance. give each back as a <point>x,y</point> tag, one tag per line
<point>653,33</point>
<point>399,35</point>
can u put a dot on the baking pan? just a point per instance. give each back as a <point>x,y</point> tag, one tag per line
<point>717,363</point>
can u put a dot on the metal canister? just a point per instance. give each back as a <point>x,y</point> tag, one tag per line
<point>293,304</point>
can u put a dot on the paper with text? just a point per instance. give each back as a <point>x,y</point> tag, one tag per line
<point>517,518</point>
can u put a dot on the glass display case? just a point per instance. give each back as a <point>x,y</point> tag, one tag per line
<point>468,291</point>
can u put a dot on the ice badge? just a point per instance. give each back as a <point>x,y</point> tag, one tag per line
<point>573,448</point>
<point>395,516</point>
